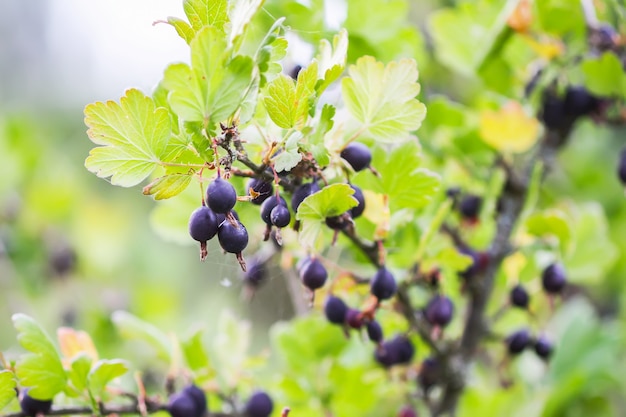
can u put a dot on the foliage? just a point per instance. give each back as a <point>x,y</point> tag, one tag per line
<point>474,121</point>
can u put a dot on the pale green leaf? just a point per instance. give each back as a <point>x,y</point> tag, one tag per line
<point>103,372</point>
<point>206,12</point>
<point>213,88</point>
<point>134,134</point>
<point>286,160</point>
<point>7,388</point>
<point>604,76</point>
<point>42,370</point>
<point>281,94</point>
<point>330,201</point>
<point>270,52</point>
<point>79,371</point>
<point>331,60</point>
<point>194,352</point>
<point>240,14</point>
<point>167,186</point>
<point>182,28</point>
<point>133,327</point>
<point>382,97</point>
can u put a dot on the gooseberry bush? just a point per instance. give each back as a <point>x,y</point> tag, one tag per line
<point>429,257</point>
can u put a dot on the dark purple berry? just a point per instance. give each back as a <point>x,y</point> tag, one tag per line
<point>295,71</point>
<point>357,210</point>
<point>267,207</point>
<point>470,205</point>
<point>198,396</point>
<point>519,297</point>
<point>407,411</point>
<point>543,348</point>
<point>399,350</point>
<point>260,190</point>
<point>383,285</point>
<point>518,341</point>
<point>303,192</point>
<point>429,374</point>
<point>553,113</point>
<point>203,224</point>
<point>31,406</point>
<point>232,238</point>
<point>439,311</point>
<point>335,310</point>
<point>339,222</point>
<point>221,196</point>
<point>280,216</point>
<point>181,405</point>
<point>354,318</point>
<point>313,274</point>
<point>374,331</point>
<point>357,155</point>
<point>621,167</point>
<point>256,273</point>
<point>604,37</point>
<point>259,405</point>
<point>221,217</point>
<point>579,102</point>
<point>553,278</point>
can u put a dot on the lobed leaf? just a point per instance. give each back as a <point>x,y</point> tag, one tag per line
<point>382,97</point>
<point>7,388</point>
<point>78,373</point>
<point>332,200</point>
<point>103,372</point>
<point>167,186</point>
<point>42,370</point>
<point>134,135</point>
<point>194,352</point>
<point>240,14</point>
<point>206,13</point>
<point>605,76</point>
<point>211,89</point>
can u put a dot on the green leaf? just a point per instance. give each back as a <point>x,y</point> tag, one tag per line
<point>132,327</point>
<point>240,14</point>
<point>288,104</point>
<point>270,52</point>
<point>182,28</point>
<point>79,371</point>
<point>134,134</point>
<point>281,94</point>
<point>7,388</point>
<point>167,186</point>
<point>213,88</point>
<point>402,178</point>
<point>194,352</point>
<point>42,370</point>
<point>103,372</point>
<point>206,13</point>
<point>551,222</point>
<point>383,99</point>
<point>330,201</point>
<point>331,60</point>
<point>605,76</point>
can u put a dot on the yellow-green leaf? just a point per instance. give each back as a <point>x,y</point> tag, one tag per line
<point>7,388</point>
<point>134,135</point>
<point>383,98</point>
<point>40,370</point>
<point>167,186</point>
<point>510,129</point>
